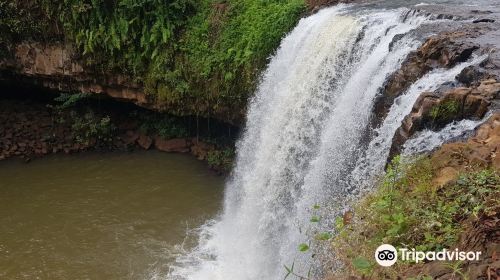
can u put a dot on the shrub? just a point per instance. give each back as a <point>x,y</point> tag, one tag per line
<point>221,159</point>
<point>444,112</point>
<point>166,126</point>
<point>17,22</point>
<point>92,128</point>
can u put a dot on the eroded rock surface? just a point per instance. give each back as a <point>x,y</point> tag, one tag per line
<point>444,50</point>
<point>434,110</point>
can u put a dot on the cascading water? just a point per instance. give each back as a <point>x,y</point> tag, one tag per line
<point>301,144</point>
<point>369,164</point>
<point>428,140</point>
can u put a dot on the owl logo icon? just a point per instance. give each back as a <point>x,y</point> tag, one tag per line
<point>386,255</point>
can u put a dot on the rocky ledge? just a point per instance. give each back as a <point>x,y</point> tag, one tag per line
<point>481,150</point>
<point>56,66</point>
<point>434,110</point>
<point>444,50</point>
<point>30,130</point>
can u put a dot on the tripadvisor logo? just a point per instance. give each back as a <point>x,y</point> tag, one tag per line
<point>387,255</point>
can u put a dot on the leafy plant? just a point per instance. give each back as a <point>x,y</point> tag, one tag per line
<point>165,126</point>
<point>303,247</point>
<point>456,268</point>
<point>221,159</point>
<point>363,265</point>
<point>69,100</point>
<point>18,22</point>
<point>91,128</point>
<point>291,272</point>
<point>444,112</point>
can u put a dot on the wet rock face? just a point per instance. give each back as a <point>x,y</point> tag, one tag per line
<point>471,74</point>
<point>444,50</point>
<point>482,150</point>
<point>179,145</point>
<point>57,67</point>
<point>315,5</point>
<point>483,20</point>
<point>435,110</point>
<point>144,142</point>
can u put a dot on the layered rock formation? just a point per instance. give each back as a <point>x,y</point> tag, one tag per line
<point>433,110</point>
<point>444,50</point>
<point>56,66</point>
<point>481,150</point>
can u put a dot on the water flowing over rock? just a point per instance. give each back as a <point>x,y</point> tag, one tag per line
<point>443,50</point>
<point>435,110</point>
<point>347,89</point>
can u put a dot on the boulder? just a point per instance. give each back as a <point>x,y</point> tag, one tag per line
<point>470,74</point>
<point>200,149</point>
<point>178,145</point>
<point>144,141</point>
<point>130,137</point>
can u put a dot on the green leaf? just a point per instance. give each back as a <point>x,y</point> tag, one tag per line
<point>314,219</point>
<point>324,236</point>
<point>361,264</point>
<point>303,247</point>
<point>289,270</point>
<point>339,223</point>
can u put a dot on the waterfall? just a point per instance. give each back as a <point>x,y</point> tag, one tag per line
<point>301,144</point>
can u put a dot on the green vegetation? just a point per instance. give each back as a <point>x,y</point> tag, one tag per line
<point>89,127</point>
<point>17,22</point>
<point>409,210</point>
<point>67,100</point>
<point>195,57</point>
<point>320,237</point>
<point>221,158</point>
<point>165,126</point>
<point>444,112</point>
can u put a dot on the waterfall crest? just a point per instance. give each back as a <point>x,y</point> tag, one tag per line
<point>300,146</point>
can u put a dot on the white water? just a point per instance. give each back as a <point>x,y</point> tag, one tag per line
<point>427,140</point>
<point>379,147</point>
<point>305,125</point>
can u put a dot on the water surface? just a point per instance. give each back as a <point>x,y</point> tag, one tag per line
<point>111,216</point>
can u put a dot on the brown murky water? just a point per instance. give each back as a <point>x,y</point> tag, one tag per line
<point>111,216</point>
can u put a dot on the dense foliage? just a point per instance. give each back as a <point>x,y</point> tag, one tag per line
<point>18,21</point>
<point>193,56</point>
